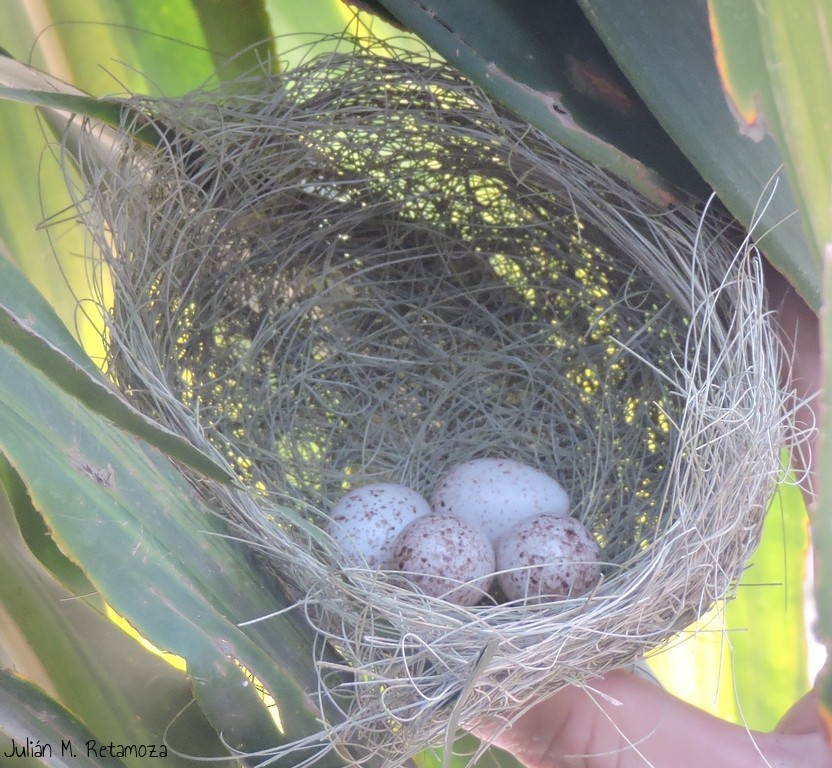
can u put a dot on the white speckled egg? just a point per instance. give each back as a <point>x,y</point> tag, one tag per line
<point>558,556</point>
<point>366,521</point>
<point>496,494</point>
<point>438,551</point>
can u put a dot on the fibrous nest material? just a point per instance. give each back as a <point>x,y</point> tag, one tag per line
<point>364,270</point>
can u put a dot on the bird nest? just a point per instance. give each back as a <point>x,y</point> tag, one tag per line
<point>364,270</point>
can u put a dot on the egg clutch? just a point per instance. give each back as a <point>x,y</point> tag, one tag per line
<point>492,530</point>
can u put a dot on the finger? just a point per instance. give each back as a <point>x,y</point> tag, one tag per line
<point>803,717</point>
<point>624,721</point>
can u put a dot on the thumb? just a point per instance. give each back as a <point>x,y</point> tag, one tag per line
<point>803,717</point>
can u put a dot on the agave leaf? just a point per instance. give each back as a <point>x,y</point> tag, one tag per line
<point>61,104</point>
<point>111,47</point>
<point>108,112</point>
<point>28,324</point>
<point>238,35</point>
<point>36,536</point>
<point>543,60</point>
<point>34,721</point>
<point>776,67</point>
<point>102,47</point>
<point>21,299</point>
<point>63,641</point>
<point>665,49</point>
<point>21,147</point>
<point>235,46</point>
<point>120,511</point>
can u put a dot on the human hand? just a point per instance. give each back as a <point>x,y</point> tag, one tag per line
<point>623,721</point>
<point>805,722</point>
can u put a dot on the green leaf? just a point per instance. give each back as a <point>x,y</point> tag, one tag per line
<point>777,69</point>
<point>41,727</point>
<point>107,47</point>
<point>21,148</point>
<point>797,44</point>
<point>23,313</point>
<point>21,299</point>
<point>61,640</point>
<point>108,112</point>
<point>765,625</point>
<point>464,747</point>
<point>157,556</point>
<point>666,51</point>
<point>102,47</point>
<point>36,536</point>
<point>238,35</point>
<point>543,60</point>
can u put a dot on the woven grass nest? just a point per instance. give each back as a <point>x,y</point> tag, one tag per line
<point>364,270</point>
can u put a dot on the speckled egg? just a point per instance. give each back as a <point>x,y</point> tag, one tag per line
<point>558,556</point>
<point>496,494</point>
<point>366,522</point>
<point>438,551</point>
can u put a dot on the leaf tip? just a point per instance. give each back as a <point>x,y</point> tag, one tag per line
<point>747,112</point>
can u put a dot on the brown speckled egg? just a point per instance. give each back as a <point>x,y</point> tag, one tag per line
<point>366,521</point>
<point>438,551</point>
<point>495,494</point>
<point>558,556</point>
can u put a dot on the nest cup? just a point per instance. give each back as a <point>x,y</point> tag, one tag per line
<point>363,270</point>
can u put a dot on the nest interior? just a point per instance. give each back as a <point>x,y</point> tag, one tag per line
<point>364,270</point>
